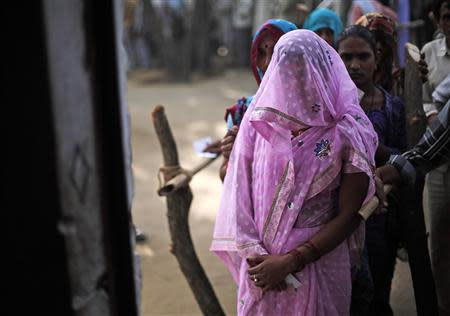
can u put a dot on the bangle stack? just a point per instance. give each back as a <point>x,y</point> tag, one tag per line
<point>315,252</point>
<point>301,258</point>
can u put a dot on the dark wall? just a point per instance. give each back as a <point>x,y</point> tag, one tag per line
<point>36,273</point>
<point>63,193</point>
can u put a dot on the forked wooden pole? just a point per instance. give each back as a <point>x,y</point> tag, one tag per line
<point>178,204</point>
<point>415,117</point>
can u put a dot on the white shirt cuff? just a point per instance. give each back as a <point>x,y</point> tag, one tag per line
<point>429,109</point>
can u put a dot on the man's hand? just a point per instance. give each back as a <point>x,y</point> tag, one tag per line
<point>379,185</point>
<point>431,118</point>
<point>389,174</point>
<point>269,271</point>
<point>228,141</point>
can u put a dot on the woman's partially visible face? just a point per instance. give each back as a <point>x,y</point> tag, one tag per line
<point>265,52</point>
<point>381,52</point>
<point>327,35</point>
<point>359,59</point>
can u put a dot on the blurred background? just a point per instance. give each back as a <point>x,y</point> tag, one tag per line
<point>192,57</point>
<point>183,38</point>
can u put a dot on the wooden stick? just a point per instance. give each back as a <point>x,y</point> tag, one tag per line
<point>412,94</point>
<point>183,179</point>
<point>203,165</point>
<point>372,205</point>
<point>178,204</point>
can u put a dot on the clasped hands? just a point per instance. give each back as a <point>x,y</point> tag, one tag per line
<point>268,272</point>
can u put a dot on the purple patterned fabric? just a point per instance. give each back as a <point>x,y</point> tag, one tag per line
<point>269,178</point>
<point>389,123</point>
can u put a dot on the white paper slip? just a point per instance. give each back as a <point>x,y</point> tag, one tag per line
<point>200,145</point>
<point>292,280</point>
<point>229,122</point>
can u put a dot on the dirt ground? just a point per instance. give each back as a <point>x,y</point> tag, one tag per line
<point>194,110</point>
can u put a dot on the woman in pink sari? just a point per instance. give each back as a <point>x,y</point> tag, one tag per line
<point>299,171</point>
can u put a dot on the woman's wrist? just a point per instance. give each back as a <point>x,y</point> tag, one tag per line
<point>313,253</point>
<point>297,260</point>
<point>291,263</point>
<point>301,256</point>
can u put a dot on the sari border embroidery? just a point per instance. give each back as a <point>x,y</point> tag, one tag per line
<point>248,245</point>
<point>279,113</point>
<point>224,238</point>
<point>275,200</point>
<point>363,156</point>
<point>315,186</point>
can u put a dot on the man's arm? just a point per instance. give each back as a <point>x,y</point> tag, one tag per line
<point>430,152</point>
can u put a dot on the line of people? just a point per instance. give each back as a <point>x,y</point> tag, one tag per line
<point>289,163</point>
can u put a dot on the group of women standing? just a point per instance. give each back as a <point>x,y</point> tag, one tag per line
<point>300,164</point>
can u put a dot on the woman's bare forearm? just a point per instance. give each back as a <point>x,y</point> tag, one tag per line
<point>353,190</point>
<point>335,232</point>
